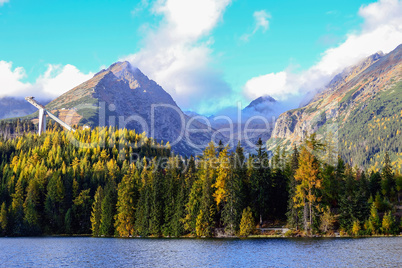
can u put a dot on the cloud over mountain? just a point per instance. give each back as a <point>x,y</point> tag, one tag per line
<point>178,53</point>
<point>381,30</point>
<point>56,80</point>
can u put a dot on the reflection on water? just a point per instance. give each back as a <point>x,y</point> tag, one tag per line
<point>113,252</point>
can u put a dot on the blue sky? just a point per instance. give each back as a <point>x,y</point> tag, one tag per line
<point>214,52</point>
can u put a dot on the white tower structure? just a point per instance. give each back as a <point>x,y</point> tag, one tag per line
<point>42,116</point>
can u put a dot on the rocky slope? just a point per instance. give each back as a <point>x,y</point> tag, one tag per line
<point>123,96</point>
<point>361,108</point>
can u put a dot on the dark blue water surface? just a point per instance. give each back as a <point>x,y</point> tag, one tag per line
<point>114,252</point>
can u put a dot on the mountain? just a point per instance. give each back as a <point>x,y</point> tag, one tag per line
<point>361,108</point>
<point>254,126</point>
<point>123,96</point>
<point>264,105</point>
<point>257,121</point>
<point>191,113</point>
<point>14,107</point>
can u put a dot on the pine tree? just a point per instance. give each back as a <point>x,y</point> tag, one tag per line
<point>202,227</point>
<point>205,218</point>
<point>247,225</point>
<point>17,209</point>
<point>388,222</point>
<point>293,210</point>
<point>260,181</point>
<point>176,225</point>
<point>108,208</point>
<point>32,216</point>
<point>53,204</point>
<point>279,193</point>
<point>96,212</point>
<point>387,178</point>
<point>193,207</point>
<point>3,217</point>
<point>156,209</point>
<point>126,202</point>
<point>374,220</point>
<point>232,204</point>
<point>68,221</point>
<point>143,211</point>
<point>356,228</point>
<point>374,183</point>
<point>241,180</point>
<point>399,186</point>
<point>82,206</point>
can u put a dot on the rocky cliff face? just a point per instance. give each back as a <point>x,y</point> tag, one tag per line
<point>123,96</point>
<point>371,87</point>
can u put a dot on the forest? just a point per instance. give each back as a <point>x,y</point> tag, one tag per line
<point>116,182</point>
<point>372,129</point>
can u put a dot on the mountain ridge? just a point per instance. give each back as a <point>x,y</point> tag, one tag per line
<point>123,96</point>
<point>347,99</point>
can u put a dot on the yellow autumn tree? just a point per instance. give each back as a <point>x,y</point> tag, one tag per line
<point>220,193</point>
<point>387,223</point>
<point>307,176</point>
<point>247,224</point>
<point>356,228</point>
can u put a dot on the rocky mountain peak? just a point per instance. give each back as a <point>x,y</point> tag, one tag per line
<point>348,74</point>
<point>124,69</point>
<point>263,99</point>
<point>261,105</point>
<point>123,96</point>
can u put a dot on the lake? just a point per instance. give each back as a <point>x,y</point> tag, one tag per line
<point>115,252</point>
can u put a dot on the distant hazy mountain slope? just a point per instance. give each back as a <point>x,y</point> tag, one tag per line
<point>14,107</point>
<point>257,121</point>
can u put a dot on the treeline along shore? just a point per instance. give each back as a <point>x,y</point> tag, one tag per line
<point>116,182</point>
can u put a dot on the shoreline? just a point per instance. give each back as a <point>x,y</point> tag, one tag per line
<point>204,237</point>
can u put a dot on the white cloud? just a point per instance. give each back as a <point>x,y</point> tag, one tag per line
<point>2,2</point>
<point>380,13</point>
<point>55,81</point>
<point>190,19</point>
<point>59,79</point>
<point>178,54</point>
<point>381,30</point>
<point>261,22</point>
<point>140,7</point>
<point>11,80</point>
<point>277,83</point>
